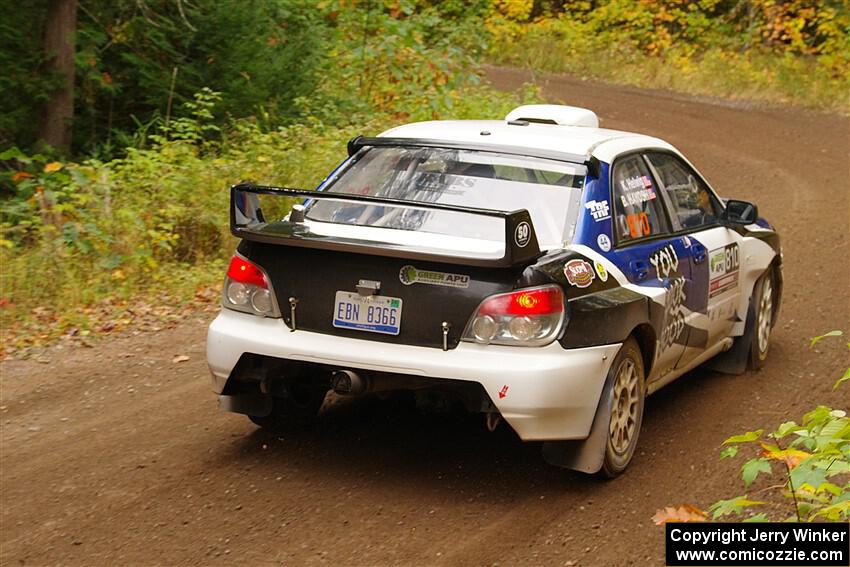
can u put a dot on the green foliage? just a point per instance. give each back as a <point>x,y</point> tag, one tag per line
<point>747,437</point>
<point>23,87</point>
<point>409,60</point>
<point>815,479</point>
<point>807,466</point>
<point>280,61</point>
<point>752,468</point>
<point>285,61</point>
<point>735,505</point>
<point>260,54</point>
<point>813,466</point>
<point>819,338</point>
<point>846,376</point>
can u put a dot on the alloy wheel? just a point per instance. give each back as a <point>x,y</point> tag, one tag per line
<point>624,413</point>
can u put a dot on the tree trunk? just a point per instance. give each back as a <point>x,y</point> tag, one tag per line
<point>57,115</point>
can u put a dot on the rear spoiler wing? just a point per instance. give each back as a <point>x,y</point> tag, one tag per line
<point>590,162</point>
<point>247,222</point>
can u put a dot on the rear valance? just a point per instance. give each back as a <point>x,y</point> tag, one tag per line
<point>247,221</point>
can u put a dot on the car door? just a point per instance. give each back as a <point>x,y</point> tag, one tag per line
<point>714,251</point>
<point>654,260</point>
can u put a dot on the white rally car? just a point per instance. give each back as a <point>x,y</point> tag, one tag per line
<point>537,269</point>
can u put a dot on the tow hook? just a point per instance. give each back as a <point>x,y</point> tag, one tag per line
<point>293,303</point>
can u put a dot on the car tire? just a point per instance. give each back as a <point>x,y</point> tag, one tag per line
<point>627,379</point>
<point>298,409</point>
<point>763,298</point>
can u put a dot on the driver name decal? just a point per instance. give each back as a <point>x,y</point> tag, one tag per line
<point>636,190</point>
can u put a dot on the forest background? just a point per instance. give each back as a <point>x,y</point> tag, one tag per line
<point>123,122</point>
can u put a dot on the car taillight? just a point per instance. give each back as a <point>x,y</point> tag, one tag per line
<point>526,317</point>
<point>247,288</point>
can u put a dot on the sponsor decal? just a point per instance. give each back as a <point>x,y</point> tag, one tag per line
<point>599,210</point>
<point>600,269</point>
<point>409,275</point>
<point>503,392</point>
<point>639,225</point>
<point>666,263</point>
<point>579,273</point>
<point>636,190</point>
<point>723,265</point>
<point>522,234</point>
<point>604,242</point>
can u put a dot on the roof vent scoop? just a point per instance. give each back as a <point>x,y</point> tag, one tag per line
<point>554,114</point>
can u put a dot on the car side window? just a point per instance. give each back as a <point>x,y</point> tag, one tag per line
<point>690,200</point>
<point>638,211</point>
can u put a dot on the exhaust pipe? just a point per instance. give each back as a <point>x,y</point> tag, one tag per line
<point>348,383</point>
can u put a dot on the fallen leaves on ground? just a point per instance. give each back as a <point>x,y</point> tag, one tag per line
<point>44,327</point>
<point>683,513</point>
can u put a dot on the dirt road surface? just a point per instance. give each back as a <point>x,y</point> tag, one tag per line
<point>115,455</point>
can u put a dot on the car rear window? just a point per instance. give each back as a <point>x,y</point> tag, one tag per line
<point>548,189</point>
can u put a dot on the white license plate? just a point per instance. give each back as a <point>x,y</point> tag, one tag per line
<point>373,313</point>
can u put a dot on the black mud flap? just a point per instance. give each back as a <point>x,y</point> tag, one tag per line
<point>258,405</point>
<point>734,360</point>
<point>585,455</point>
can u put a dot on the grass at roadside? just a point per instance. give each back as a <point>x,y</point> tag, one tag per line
<point>786,52</point>
<point>753,76</point>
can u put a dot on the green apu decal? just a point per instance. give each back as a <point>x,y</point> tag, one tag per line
<point>410,275</point>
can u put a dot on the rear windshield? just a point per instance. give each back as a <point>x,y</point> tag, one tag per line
<point>548,189</point>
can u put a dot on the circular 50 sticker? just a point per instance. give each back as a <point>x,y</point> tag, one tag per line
<point>522,234</point>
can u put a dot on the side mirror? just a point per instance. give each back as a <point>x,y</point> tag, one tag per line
<point>740,212</point>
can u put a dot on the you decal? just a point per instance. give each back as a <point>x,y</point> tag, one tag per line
<point>666,263</point>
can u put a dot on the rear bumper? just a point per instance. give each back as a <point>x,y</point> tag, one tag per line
<point>551,393</point>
